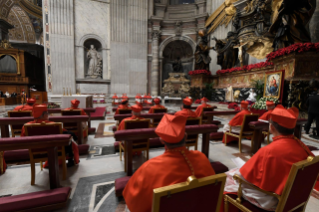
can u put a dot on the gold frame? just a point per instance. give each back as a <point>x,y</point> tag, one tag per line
<point>36,160</point>
<point>146,149</point>
<point>196,142</point>
<point>16,132</point>
<point>296,167</point>
<point>17,58</point>
<point>191,183</point>
<point>279,87</point>
<point>241,135</point>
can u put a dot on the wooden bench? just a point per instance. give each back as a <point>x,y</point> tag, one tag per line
<point>88,112</point>
<point>259,126</point>
<point>5,122</point>
<point>136,134</point>
<point>49,200</point>
<point>210,115</point>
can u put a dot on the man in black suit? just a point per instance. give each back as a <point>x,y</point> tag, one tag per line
<point>313,112</point>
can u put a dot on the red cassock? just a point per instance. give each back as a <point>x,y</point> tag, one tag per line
<point>167,169</point>
<point>121,107</point>
<point>188,113</point>
<point>237,120</point>
<point>266,116</point>
<point>23,108</point>
<point>122,124</point>
<point>200,108</point>
<point>155,107</point>
<point>269,168</point>
<point>83,113</point>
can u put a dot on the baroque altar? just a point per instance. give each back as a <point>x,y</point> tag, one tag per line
<point>176,85</point>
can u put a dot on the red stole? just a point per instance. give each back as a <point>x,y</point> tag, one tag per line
<point>200,108</point>
<point>266,116</point>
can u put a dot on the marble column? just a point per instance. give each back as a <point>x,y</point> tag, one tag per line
<point>155,63</point>
<point>314,25</point>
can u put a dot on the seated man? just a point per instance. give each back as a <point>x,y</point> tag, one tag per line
<point>40,114</point>
<point>136,114</point>
<point>157,105</point>
<point>123,105</point>
<point>115,99</point>
<point>270,107</point>
<point>269,168</point>
<point>186,111</point>
<point>74,106</point>
<point>234,122</point>
<point>147,99</point>
<point>200,108</point>
<point>28,106</point>
<point>174,166</point>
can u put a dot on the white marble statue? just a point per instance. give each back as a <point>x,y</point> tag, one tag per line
<point>252,96</point>
<point>95,62</point>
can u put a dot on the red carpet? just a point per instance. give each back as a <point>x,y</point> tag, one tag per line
<point>99,113</point>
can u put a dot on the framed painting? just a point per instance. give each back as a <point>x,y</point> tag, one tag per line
<point>273,84</point>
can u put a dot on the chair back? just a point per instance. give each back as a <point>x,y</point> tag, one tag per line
<point>73,112</point>
<point>301,180</point>
<point>160,110</point>
<point>204,194</point>
<point>193,121</point>
<point>125,111</point>
<point>43,129</point>
<point>18,114</point>
<point>247,119</point>
<point>137,124</point>
<point>206,109</point>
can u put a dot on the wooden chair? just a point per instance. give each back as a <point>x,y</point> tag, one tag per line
<point>40,155</point>
<point>204,118</point>
<point>204,194</point>
<point>16,129</point>
<point>301,180</point>
<point>155,122</point>
<point>245,131</point>
<point>192,140</point>
<point>138,145</point>
<point>267,133</point>
<point>125,111</point>
<point>72,127</point>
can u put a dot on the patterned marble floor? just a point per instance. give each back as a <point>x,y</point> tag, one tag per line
<point>92,180</point>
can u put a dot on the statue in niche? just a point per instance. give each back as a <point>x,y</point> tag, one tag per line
<point>95,64</point>
<point>290,24</point>
<point>202,58</point>
<point>177,66</point>
<point>227,55</point>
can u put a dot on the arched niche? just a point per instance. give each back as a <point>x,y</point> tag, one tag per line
<point>173,48</point>
<point>8,64</point>
<point>88,44</point>
<point>81,55</point>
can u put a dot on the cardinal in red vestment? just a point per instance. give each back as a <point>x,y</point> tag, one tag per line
<point>236,122</point>
<point>75,106</point>
<point>115,99</point>
<point>174,166</point>
<point>186,111</point>
<point>123,105</point>
<point>136,114</point>
<point>148,99</point>
<point>269,168</point>
<point>270,107</point>
<point>40,114</point>
<point>157,105</point>
<point>26,107</point>
<point>200,108</point>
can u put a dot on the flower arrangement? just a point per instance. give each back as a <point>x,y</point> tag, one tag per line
<point>261,103</point>
<point>298,47</point>
<point>245,68</point>
<point>195,72</point>
<point>52,105</point>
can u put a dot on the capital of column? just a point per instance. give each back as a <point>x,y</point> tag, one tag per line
<point>156,34</point>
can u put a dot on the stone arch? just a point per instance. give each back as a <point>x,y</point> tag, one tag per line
<point>5,8</point>
<point>92,36</point>
<point>168,40</point>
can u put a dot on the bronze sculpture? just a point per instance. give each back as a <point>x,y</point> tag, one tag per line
<point>202,58</point>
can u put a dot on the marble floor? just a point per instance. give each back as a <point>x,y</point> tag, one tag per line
<point>92,180</point>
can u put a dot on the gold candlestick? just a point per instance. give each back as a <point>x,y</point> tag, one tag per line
<point>63,91</point>
<point>70,92</point>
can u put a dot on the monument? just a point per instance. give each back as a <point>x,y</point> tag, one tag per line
<point>95,64</point>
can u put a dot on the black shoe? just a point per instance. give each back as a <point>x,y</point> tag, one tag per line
<point>70,163</point>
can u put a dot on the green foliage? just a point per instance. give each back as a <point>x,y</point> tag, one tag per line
<point>259,87</point>
<point>194,92</point>
<point>208,90</point>
<point>261,103</point>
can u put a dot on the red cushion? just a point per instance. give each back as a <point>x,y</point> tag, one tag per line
<point>219,167</point>
<point>83,149</point>
<point>34,200</point>
<point>114,128</point>
<point>17,155</point>
<point>245,203</point>
<point>216,136</point>
<point>120,184</point>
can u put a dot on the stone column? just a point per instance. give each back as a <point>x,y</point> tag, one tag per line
<point>314,25</point>
<point>155,67</point>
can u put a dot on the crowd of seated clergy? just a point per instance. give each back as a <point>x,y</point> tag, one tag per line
<point>123,105</point>
<point>136,114</point>
<point>27,107</point>
<point>200,108</point>
<point>157,105</point>
<point>186,109</point>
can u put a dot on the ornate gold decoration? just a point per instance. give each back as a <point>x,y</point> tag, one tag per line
<point>258,47</point>
<point>5,44</point>
<point>176,81</point>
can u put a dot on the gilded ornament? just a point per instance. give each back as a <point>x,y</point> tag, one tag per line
<point>5,44</point>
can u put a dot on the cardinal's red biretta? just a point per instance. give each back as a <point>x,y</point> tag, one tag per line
<point>157,105</point>
<point>186,111</point>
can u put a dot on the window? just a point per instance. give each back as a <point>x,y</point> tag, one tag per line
<point>182,1</point>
